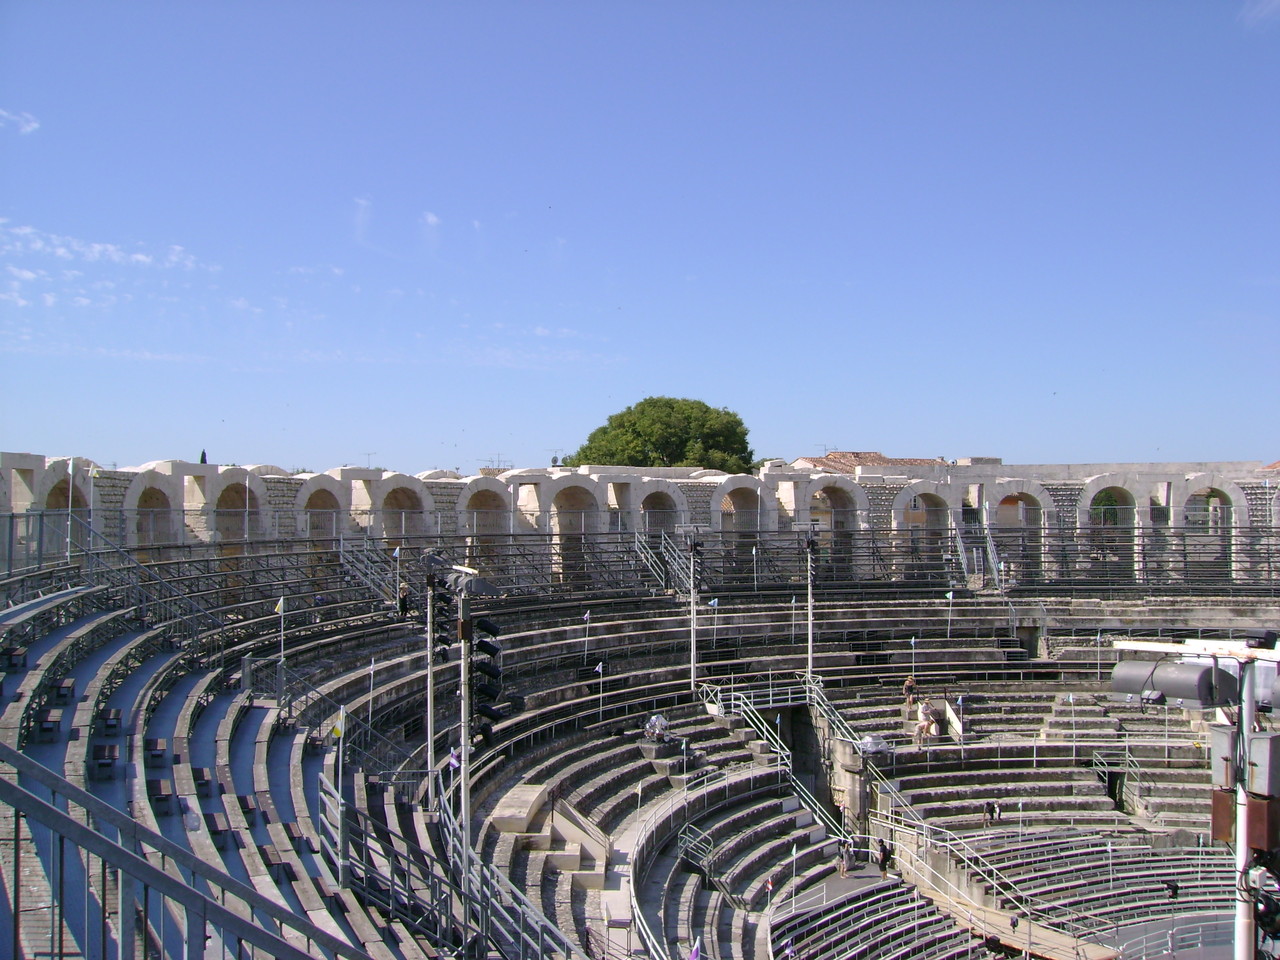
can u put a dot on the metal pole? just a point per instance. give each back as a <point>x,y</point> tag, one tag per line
<point>464,770</point>
<point>693,618</point>
<point>808,667</point>
<point>71,490</point>
<point>17,884</point>
<point>344,835</point>
<point>1244,924</point>
<point>431,692</point>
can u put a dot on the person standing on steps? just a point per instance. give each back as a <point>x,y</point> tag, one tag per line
<point>884,859</point>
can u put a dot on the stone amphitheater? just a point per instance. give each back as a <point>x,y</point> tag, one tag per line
<point>615,711</point>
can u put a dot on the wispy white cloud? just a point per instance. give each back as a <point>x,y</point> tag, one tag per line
<point>147,356</point>
<point>1255,13</point>
<point>534,357</point>
<point>543,332</point>
<point>41,341</point>
<point>240,303</point>
<point>363,213</point>
<point>24,121</point>
<point>430,219</point>
<point>321,270</point>
<point>25,240</point>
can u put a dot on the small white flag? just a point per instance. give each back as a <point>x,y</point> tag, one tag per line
<point>913,641</point>
<point>587,616</point>
<point>950,594</point>
<point>600,668</point>
<point>396,554</point>
<point>714,602</point>
<point>280,606</point>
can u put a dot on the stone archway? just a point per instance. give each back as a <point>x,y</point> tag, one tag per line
<point>320,514</point>
<point>62,503</point>
<point>925,519</point>
<point>832,508</point>
<point>1017,531</point>
<point>740,510</point>
<point>153,518</point>
<point>487,521</point>
<point>574,513</point>
<point>235,512</point>
<point>833,518</point>
<point>658,514</point>
<point>1109,536</point>
<point>487,514</point>
<point>402,514</point>
<point>1208,525</point>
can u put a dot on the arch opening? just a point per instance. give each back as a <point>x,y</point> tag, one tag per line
<point>320,514</point>
<point>235,515</point>
<point>153,520</point>
<point>658,514</point>
<point>573,515</point>
<point>1017,530</point>
<point>402,514</point>
<point>1206,535</point>
<point>1109,539</point>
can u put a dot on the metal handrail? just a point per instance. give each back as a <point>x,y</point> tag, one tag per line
<point>135,835</point>
<point>743,702</point>
<point>651,558</point>
<point>151,588</point>
<point>516,920</point>
<point>1081,925</point>
<point>359,557</point>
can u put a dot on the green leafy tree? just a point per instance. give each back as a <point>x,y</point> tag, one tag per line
<point>669,432</point>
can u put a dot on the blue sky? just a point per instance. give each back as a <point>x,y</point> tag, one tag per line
<point>449,235</point>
